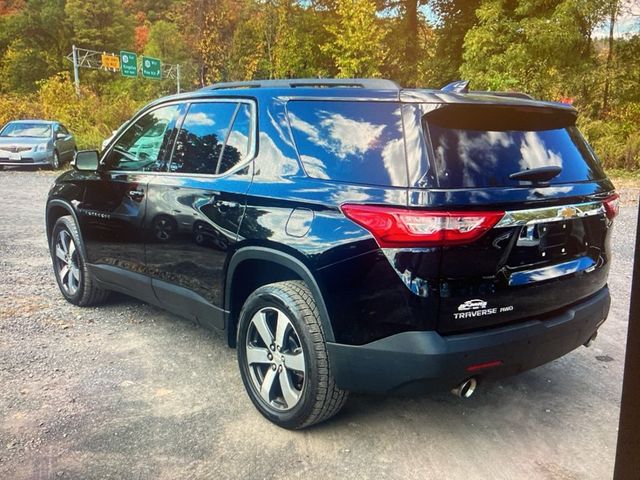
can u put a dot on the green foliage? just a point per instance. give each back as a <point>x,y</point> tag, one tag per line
<point>90,117</point>
<point>21,67</point>
<point>543,47</point>
<point>100,24</point>
<point>297,44</point>
<point>357,43</point>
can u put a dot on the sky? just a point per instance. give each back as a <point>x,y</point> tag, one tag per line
<point>626,24</point>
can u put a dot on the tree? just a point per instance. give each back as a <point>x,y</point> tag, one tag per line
<point>454,19</point>
<point>100,24</point>
<point>21,67</point>
<point>536,46</point>
<point>297,50</point>
<point>357,43</point>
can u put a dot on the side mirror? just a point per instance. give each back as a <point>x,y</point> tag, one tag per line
<point>86,160</point>
<point>60,136</point>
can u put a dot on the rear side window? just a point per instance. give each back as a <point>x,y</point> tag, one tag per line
<point>482,147</point>
<point>354,142</point>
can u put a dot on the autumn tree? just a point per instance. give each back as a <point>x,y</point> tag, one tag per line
<point>100,24</point>
<point>357,43</point>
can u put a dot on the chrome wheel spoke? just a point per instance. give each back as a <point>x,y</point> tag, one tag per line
<point>290,394</point>
<point>72,248</point>
<point>60,253</point>
<point>64,241</point>
<point>257,355</point>
<point>260,321</point>
<point>267,385</point>
<point>64,271</point>
<point>75,273</point>
<point>282,323</point>
<point>294,361</point>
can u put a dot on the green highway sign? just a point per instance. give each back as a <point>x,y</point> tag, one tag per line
<point>151,68</point>
<point>128,64</point>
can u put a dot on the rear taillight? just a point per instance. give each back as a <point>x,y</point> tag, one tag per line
<point>399,227</point>
<point>612,206</point>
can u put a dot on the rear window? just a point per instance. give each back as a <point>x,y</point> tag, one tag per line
<point>354,142</point>
<point>482,147</point>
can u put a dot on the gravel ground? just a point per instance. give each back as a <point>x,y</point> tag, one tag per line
<point>129,391</point>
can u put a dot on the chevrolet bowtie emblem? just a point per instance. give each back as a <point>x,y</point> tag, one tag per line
<point>567,212</point>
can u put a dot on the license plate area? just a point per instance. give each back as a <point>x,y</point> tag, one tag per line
<point>549,242</point>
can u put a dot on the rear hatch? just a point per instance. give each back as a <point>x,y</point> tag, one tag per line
<point>550,248</point>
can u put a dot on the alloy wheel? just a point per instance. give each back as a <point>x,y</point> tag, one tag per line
<point>163,229</point>
<point>67,264</point>
<point>275,359</point>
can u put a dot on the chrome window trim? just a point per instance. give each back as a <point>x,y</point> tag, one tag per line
<point>559,213</point>
<point>187,102</point>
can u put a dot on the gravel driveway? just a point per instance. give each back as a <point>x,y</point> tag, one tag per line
<point>128,391</point>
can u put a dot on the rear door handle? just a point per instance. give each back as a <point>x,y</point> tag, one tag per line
<point>136,194</point>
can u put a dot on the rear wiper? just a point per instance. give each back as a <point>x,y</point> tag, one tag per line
<point>538,174</point>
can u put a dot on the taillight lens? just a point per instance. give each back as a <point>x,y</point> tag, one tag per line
<point>612,206</point>
<point>399,227</point>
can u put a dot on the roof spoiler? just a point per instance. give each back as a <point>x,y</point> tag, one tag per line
<point>462,86</point>
<point>459,86</point>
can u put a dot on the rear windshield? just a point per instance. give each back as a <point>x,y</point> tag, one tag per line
<point>355,142</point>
<point>483,150</point>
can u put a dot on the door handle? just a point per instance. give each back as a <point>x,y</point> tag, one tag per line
<point>136,194</point>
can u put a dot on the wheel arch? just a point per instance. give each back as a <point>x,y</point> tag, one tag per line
<point>56,209</point>
<point>282,266</point>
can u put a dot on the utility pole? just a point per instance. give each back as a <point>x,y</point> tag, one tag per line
<point>178,77</point>
<point>76,73</point>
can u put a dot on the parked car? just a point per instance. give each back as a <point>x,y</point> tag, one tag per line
<point>348,235</point>
<point>36,143</point>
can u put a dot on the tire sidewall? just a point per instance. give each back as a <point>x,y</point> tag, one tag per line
<point>65,223</point>
<point>271,296</point>
<point>55,161</point>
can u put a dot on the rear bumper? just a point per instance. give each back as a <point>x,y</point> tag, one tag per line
<point>426,361</point>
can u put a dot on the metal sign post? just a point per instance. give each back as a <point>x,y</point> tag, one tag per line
<point>125,62</point>
<point>76,73</point>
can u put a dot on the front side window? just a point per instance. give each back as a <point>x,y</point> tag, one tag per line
<point>201,139</point>
<point>144,145</point>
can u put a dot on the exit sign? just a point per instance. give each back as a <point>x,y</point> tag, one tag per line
<point>151,68</point>
<point>128,64</point>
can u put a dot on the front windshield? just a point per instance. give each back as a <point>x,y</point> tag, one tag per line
<point>36,130</point>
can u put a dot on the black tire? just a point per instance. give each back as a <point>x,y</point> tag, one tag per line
<point>55,161</point>
<point>319,397</point>
<point>85,293</point>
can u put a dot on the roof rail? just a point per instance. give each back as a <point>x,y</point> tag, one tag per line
<point>373,83</point>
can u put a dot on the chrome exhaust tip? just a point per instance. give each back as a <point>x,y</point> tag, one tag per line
<point>466,388</point>
<point>592,339</point>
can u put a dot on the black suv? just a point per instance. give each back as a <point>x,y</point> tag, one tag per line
<point>348,235</point>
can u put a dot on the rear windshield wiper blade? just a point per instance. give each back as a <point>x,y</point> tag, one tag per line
<point>538,174</point>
